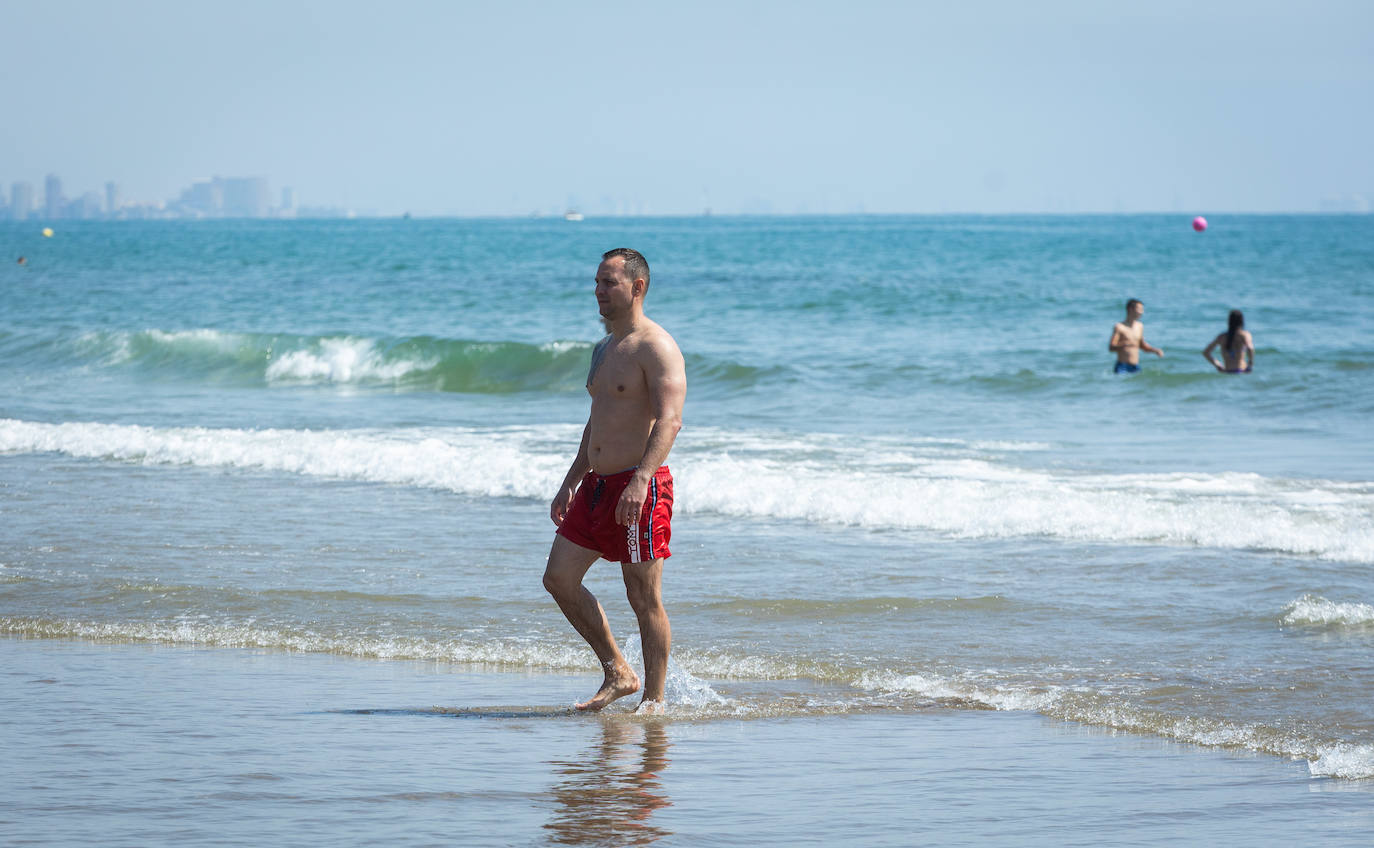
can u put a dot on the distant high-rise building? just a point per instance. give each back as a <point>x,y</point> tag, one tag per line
<point>85,207</point>
<point>235,197</point>
<point>21,201</point>
<point>206,197</point>
<point>112,198</point>
<point>246,197</point>
<point>288,199</point>
<point>53,201</point>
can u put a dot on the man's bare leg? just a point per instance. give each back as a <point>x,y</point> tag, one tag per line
<point>568,564</point>
<point>643,586</point>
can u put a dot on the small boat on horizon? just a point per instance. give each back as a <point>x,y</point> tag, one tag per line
<point>572,215</point>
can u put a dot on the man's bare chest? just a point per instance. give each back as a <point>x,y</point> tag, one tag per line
<point>615,376</point>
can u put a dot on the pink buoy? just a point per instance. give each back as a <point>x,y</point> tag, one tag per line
<point>1199,223</point>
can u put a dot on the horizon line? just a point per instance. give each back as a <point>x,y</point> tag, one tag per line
<point>452,216</point>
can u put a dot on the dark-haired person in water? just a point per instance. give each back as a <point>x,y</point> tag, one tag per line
<point>617,498</point>
<point>1237,347</point>
<point>1128,340</point>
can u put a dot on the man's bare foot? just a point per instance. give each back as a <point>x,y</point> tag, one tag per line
<point>647,707</point>
<point>618,684</point>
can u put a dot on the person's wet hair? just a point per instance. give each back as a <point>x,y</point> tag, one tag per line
<point>1132,302</point>
<point>1235,321</point>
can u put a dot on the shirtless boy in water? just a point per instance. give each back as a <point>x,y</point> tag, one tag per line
<point>621,508</point>
<point>1128,340</point>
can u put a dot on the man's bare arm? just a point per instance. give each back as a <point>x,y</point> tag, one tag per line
<point>666,376</point>
<point>562,502</point>
<point>1149,348</point>
<point>1114,344</point>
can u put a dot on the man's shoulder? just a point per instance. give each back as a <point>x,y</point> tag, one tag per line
<point>656,345</point>
<point>655,338</point>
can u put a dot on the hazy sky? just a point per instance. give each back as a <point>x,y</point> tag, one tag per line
<point>498,108</point>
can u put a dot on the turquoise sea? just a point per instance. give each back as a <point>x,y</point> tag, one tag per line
<point>909,490</point>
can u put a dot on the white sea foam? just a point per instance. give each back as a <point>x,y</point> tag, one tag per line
<point>249,634</point>
<point>1347,761</point>
<point>1341,760</point>
<point>944,487</point>
<point>563,347</point>
<point>941,689</point>
<point>1316,610</point>
<point>493,463</point>
<point>207,337</point>
<point>977,497</point>
<point>681,689</point>
<point>689,696</point>
<point>342,360</point>
<point>119,347</point>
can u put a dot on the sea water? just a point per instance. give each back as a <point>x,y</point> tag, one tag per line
<point>908,478</point>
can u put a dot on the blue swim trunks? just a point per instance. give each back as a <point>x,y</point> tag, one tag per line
<point>1125,368</point>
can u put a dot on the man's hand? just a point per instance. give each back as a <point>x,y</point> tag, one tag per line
<point>631,504</point>
<point>558,510</point>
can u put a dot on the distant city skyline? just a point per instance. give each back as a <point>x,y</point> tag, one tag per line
<point>217,197</point>
<point>437,108</point>
<point>249,197</point>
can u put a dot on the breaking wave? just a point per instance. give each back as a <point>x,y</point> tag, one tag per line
<point>961,490</point>
<point>414,363</point>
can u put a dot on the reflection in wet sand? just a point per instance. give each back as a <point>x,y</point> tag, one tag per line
<point>609,793</point>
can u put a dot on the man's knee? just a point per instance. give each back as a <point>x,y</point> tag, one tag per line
<point>554,583</point>
<point>561,579</point>
<point>643,592</point>
<point>566,566</point>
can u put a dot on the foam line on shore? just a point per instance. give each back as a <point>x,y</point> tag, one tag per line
<point>959,490</point>
<point>693,697</point>
<point>1316,611</point>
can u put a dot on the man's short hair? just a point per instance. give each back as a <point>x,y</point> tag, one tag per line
<point>1132,302</point>
<point>635,264</point>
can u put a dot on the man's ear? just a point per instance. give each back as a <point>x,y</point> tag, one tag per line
<point>638,287</point>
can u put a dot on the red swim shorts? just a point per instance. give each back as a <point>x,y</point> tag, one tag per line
<point>591,521</point>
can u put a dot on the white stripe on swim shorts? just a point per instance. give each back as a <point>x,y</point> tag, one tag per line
<point>653,505</point>
<point>632,532</point>
<point>632,541</point>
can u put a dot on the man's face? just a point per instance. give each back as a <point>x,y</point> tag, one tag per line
<point>614,288</point>
<point>1137,310</point>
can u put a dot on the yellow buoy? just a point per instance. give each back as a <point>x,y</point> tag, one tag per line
<point>47,232</point>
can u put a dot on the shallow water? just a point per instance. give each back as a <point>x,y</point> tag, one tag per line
<point>908,481</point>
<point>130,744</point>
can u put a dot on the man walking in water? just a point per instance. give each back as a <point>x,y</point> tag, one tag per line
<point>621,509</point>
<point>1128,339</point>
